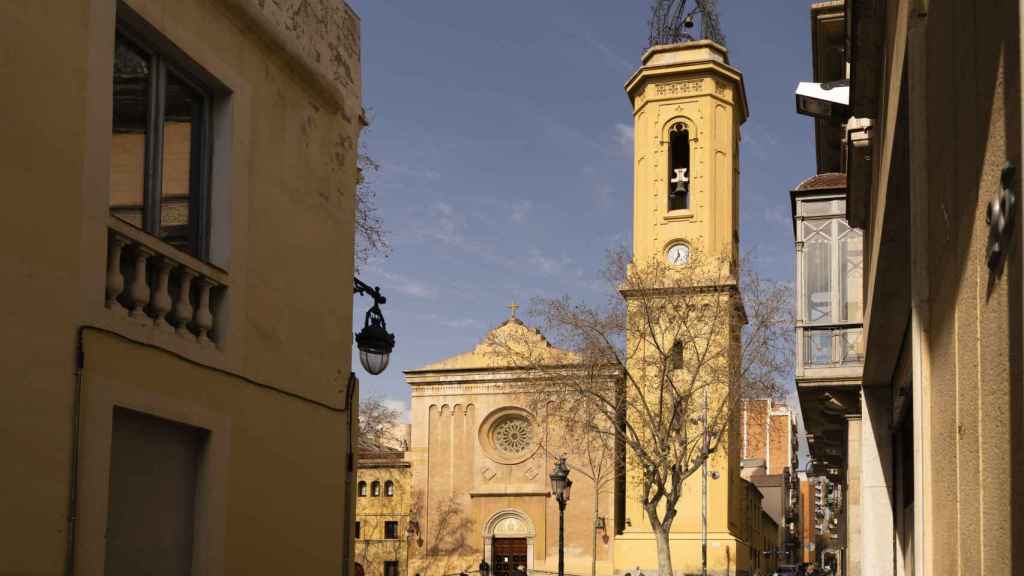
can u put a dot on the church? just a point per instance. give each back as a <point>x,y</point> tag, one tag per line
<point>481,456</point>
<point>481,452</point>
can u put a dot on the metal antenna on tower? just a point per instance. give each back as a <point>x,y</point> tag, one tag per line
<point>672,21</point>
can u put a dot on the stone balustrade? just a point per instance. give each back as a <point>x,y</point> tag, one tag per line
<point>154,284</point>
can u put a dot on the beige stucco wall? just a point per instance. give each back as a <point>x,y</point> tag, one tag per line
<point>284,176</point>
<point>974,319</point>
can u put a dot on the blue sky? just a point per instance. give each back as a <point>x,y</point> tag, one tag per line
<point>504,139</point>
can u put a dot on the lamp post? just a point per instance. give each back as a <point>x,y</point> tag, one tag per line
<point>413,529</point>
<point>560,488</point>
<point>374,341</point>
<point>704,495</point>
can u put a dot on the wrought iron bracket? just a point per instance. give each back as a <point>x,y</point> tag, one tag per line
<point>1000,216</point>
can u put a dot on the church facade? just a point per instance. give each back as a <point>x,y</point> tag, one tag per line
<point>481,453</point>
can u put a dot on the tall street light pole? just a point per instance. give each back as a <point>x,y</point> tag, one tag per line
<point>560,488</point>
<point>704,494</point>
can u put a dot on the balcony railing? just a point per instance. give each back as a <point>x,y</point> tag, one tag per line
<point>157,285</point>
<point>831,346</point>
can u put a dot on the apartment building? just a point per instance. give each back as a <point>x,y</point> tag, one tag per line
<point>917,108</point>
<point>177,395</point>
<point>769,460</point>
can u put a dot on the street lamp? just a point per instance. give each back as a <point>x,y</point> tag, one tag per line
<point>561,485</point>
<point>374,341</point>
<point>412,529</point>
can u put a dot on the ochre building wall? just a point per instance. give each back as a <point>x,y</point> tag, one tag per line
<point>277,389</point>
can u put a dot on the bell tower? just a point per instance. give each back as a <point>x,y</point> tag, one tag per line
<point>688,105</point>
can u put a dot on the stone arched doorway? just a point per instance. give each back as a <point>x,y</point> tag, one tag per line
<point>508,538</point>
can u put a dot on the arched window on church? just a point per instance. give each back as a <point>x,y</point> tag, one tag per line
<point>375,488</point>
<point>389,488</point>
<point>679,168</point>
<point>362,488</point>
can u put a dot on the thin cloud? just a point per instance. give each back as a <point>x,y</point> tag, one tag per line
<point>624,138</point>
<point>519,211</point>
<point>761,143</point>
<point>459,323</point>
<point>401,406</point>
<point>405,285</point>
<point>446,226</point>
<point>778,216</point>
<point>577,29</point>
<point>546,264</point>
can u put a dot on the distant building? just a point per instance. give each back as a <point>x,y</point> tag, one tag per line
<point>768,437</point>
<point>818,521</point>
<point>383,530</point>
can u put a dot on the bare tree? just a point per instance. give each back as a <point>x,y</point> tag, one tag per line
<point>448,528</point>
<point>371,237</point>
<point>378,426</point>
<point>591,444</point>
<point>661,368</point>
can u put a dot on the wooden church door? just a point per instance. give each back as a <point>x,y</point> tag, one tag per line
<point>508,554</point>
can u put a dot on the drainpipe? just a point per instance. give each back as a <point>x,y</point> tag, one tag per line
<point>350,472</point>
<point>72,526</point>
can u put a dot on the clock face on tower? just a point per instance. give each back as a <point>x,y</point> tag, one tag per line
<point>678,254</point>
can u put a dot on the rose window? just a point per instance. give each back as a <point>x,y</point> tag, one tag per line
<point>513,435</point>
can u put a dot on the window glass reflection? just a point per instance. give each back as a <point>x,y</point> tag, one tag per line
<point>181,110</point>
<point>851,346</point>
<point>817,270</point>
<point>818,347</point>
<point>851,273</point>
<point>132,70</point>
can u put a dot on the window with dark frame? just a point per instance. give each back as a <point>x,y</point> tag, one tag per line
<point>390,568</point>
<point>358,526</point>
<point>161,144</point>
<point>362,488</point>
<point>391,530</point>
<point>389,488</point>
<point>679,168</point>
<point>375,488</point>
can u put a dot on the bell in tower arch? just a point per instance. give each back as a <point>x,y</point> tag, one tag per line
<point>679,168</point>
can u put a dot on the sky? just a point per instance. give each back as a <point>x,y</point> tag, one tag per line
<point>504,139</point>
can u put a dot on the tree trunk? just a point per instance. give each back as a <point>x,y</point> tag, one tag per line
<point>664,555</point>
<point>593,544</point>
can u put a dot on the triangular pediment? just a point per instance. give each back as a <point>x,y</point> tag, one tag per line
<point>512,344</point>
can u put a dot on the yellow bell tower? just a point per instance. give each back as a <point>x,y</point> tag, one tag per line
<point>688,105</point>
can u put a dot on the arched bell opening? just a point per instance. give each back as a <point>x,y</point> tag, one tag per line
<point>679,168</point>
